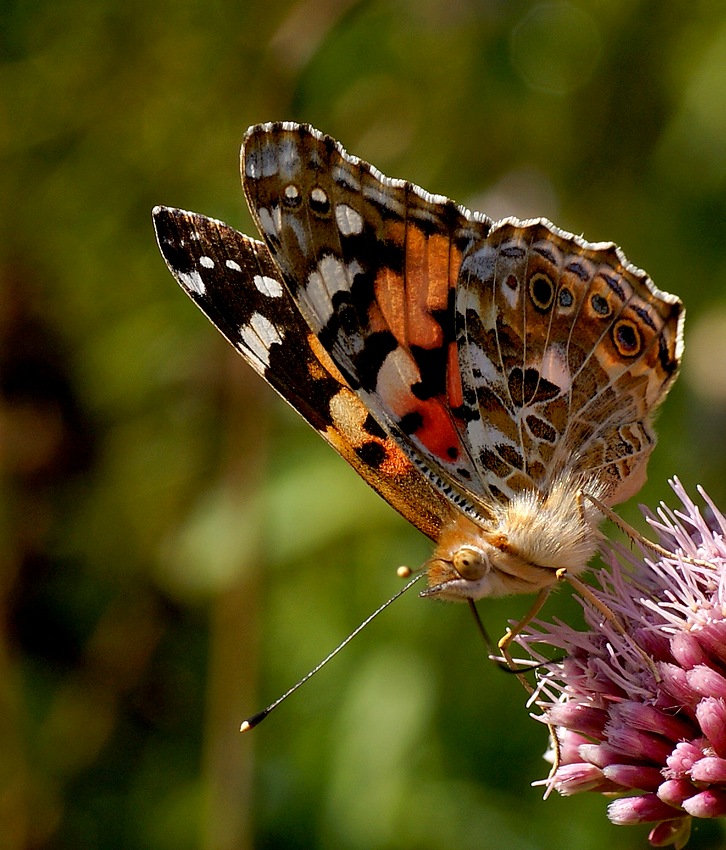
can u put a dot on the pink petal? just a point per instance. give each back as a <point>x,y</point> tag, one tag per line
<point>574,778</point>
<point>711,714</point>
<point>634,776</point>
<point>582,677</point>
<point>709,769</point>
<point>657,645</point>
<point>651,719</point>
<point>712,637</point>
<point>570,743</point>
<point>685,754</point>
<point>639,745</point>
<point>578,718</point>
<point>601,755</point>
<point>710,803</point>
<point>642,809</point>
<point>674,680</point>
<point>687,650</point>
<point>706,682</point>
<point>675,791</point>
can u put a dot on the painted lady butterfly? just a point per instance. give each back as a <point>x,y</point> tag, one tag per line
<point>493,381</point>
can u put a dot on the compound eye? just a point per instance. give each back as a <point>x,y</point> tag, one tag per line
<point>471,564</point>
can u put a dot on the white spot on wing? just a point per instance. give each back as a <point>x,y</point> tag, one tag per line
<point>491,374</point>
<point>300,233</point>
<point>318,195</point>
<point>268,285</point>
<point>555,368</point>
<point>259,335</point>
<point>319,299</point>
<point>335,274</point>
<point>511,294</point>
<point>330,277</point>
<point>485,435</point>
<point>384,197</point>
<point>207,262</point>
<point>343,176</point>
<point>349,220</point>
<point>192,281</point>
<point>261,162</point>
<point>397,370</point>
<point>288,158</point>
<point>270,220</point>
<point>235,267</point>
<point>479,264</point>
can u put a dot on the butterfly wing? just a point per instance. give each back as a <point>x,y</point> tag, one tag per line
<point>372,264</point>
<point>565,352</point>
<point>451,361</point>
<point>236,284</point>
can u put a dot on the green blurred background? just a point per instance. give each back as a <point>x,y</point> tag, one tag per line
<point>176,546</point>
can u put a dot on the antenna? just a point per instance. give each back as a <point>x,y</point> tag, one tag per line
<point>256,719</point>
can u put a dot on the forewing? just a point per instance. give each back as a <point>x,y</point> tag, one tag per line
<point>237,285</point>
<point>372,264</point>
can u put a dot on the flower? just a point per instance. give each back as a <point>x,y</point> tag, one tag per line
<point>639,701</point>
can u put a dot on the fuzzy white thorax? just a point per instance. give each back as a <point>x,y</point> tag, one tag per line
<point>522,547</point>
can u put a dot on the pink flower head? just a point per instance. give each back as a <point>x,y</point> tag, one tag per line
<point>639,701</point>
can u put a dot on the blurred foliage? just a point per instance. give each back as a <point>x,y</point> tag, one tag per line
<point>177,548</point>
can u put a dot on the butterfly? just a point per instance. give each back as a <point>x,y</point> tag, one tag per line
<point>494,381</point>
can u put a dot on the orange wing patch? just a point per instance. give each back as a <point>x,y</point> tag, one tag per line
<point>381,462</point>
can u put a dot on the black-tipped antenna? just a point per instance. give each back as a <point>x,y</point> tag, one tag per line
<point>256,719</point>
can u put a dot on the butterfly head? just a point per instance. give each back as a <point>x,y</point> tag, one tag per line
<point>474,565</point>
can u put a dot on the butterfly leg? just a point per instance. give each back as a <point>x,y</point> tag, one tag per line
<point>586,593</point>
<point>505,641</point>
<point>635,535</point>
<point>503,647</point>
<point>511,633</point>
